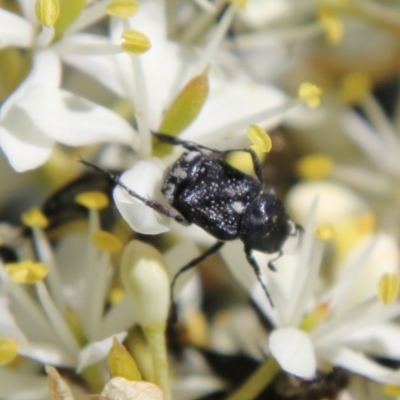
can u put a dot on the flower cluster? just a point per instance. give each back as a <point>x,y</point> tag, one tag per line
<point>86,275</point>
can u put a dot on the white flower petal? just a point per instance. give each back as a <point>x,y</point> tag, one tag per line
<point>23,143</point>
<point>145,179</point>
<point>102,68</point>
<point>359,364</point>
<point>22,385</point>
<point>14,30</point>
<point>294,351</point>
<point>97,351</point>
<point>378,340</point>
<point>335,202</point>
<point>73,120</point>
<point>231,106</point>
<point>119,317</point>
<point>46,70</point>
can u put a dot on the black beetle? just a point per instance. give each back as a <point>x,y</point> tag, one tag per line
<point>225,202</point>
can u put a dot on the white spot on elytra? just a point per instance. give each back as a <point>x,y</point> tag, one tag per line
<point>179,173</point>
<point>238,206</point>
<point>191,156</point>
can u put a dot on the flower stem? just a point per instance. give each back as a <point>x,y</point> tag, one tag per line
<point>155,336</point>
<point>258,381</point>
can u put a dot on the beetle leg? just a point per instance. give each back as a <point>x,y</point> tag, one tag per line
<point>156,206</point>
<point>211,250</point>
<point>257,271</point>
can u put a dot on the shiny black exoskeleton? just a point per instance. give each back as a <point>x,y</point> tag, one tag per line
<point>206,191</point>
<point>225,202</point>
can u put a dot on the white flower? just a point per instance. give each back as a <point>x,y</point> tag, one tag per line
<point>355,323</point>
<point>38,113</point>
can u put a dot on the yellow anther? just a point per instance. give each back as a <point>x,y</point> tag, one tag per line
<point>121,363</point>
<point>34,218</point>
<point>27,271</point>
<point>391,390</point>
<point>354,87</point>
<point>106,241</point>
<point>259,138</point>
<point>388,288</point>
<point>47,11</point>
<point>240,3</point>
<point>93,200</point>
<point>8,350</point>
<point>312,319</point>
<point>243,161</point>
<point>186,105</point>
<point>325,232</point>
<point>310,94</point>
<point>135,42</point>
<point>122,8</point>
<point>315,166</point>
<point>116,295</point>
<point>331,23</point>
<point>197,329</point>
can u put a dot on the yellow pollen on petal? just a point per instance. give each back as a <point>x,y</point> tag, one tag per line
<point>116,295</point>
<point>240,3</point>
<point>95,200</point>
<point>312,319</point>
<point>325,232</point>
<point>34,218</point>
<point>354,87</point>
<point>315,166</point>
<point>47,11</point>
<point>122,8</point>
<point>8,350</point>
<point>310,94</point>
<point>388,288</point>
<point>121,363</point>
<point>135,42</point>
<point>391,390</point>
<point>259,138</point>
<point>331,23</point>
<point>27,271</point>
<point>106,241</point>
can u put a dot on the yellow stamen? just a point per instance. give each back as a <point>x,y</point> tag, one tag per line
<point>34,218</point>
<point>121,363</point>
<point>47,11</point>
<point>259,138</point>
<point>116,295</point>
<point>391,390</point>
<point>388,288</point>
<point>240,3</point>
<point>354,87</point>
<point>331,23</point>
<point>135,42</point>
<point>196,328</point>
<point>106,241</point>
<point>27,271</point>
<point>325,232</point>
<point>243,161</point>
<point>315,166</point>
<point>8,350</point>
<point>312,319</point>
<point>122,8</point>
<point>186,105</point>
<point>93,200</point>
<point>310,94</point>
